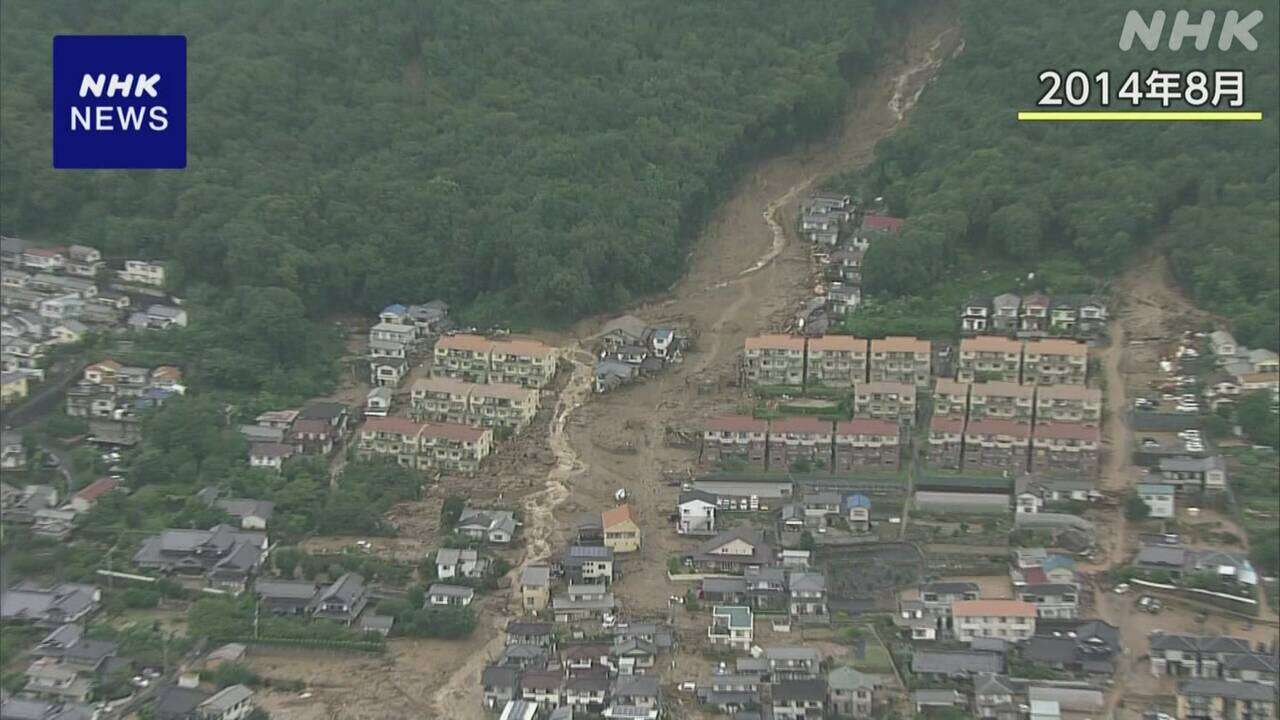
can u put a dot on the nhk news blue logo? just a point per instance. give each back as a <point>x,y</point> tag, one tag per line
<point>120,101</point>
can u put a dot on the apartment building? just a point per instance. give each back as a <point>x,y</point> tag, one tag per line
<point>1065,446</point>
<point>989,357</point>
<point>1055,362</point>
<point>866,443</point>
<point>501,405</point>
<point>527,363</point>
<point>774,360</point>
<point>473,358</point>
<point>1068,403</point>
<point>836,361</point>
<point>735,438</point>
<point>901,359</point>
<point>997,445</point>
<point>425,445</point>
<point>1200,699</point>
<point>1011,620</point>
<point>1001,401</point>
<point>795,440</point>
<point>893,401</point>
<point>946,440</point>
<point>950,398</point>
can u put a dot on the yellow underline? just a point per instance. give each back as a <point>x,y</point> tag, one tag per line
<point>1140,116</point>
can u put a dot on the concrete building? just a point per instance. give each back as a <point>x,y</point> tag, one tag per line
<point>836,361</point>
<point>774,360</point>
<point>1055,362</point>
<point>1000,400</point>
<point>988,358</point>
<point>1011,620</point>
<point>1068,403</point>
<point>893,401</point>
<point>735,438</point>
<point>901,359</point>
<point>864,443</point>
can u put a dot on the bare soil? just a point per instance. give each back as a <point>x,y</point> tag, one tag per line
<point>748,273</point>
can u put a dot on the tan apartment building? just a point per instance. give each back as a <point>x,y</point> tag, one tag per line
<point>774,360</point>
<point>989,358</point>
<point>1055,362</point>
<point>477,359</point>
<point>901,359</point>
<point>464,357</point>
<point>1011,620</point>
<point>997,445</point>
<point>836,361</point>
<point>800,440</point>
<point>1068,403</point>
<point>893,401</point>
<point>527,363</point>
<point>735,438</point>
<point>946,440</point>
<point>1001,401</point>
<point>1065,446</point>
<point>497,405</point>
<point>863,443</point>
<point>950,398</point>
<point>1214,699</point>
<point>425,446</point>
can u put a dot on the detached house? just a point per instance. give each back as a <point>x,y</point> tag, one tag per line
<point>975,316</point>
<point>142,272</point>
<point>697,513</point>
<point>731,625</point>
<point>343,600</point>
<point>621,533</point>
<point>492,526</point>
<point>774,360</point>
<point>733,551</point>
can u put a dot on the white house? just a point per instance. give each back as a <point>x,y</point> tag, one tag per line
<point>142,272</point>
<point>452,562</point>
<point>697,513</point>
<point>1159,498</point>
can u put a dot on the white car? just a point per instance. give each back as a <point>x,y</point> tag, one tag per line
<point>688,686</point>
<point>1122,588</point>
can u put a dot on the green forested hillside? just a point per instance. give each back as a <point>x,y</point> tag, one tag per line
<point>532,160</point>
<point>977,186</point>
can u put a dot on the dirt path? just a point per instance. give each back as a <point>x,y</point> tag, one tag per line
<point>460,696</point>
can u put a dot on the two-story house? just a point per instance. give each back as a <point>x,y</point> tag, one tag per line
<point>1010,620</point>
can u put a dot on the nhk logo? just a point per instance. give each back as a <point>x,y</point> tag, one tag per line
<point>119,101</point>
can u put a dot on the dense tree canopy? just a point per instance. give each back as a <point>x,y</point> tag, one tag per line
<point>534,160</point>
<point>974,182</point>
